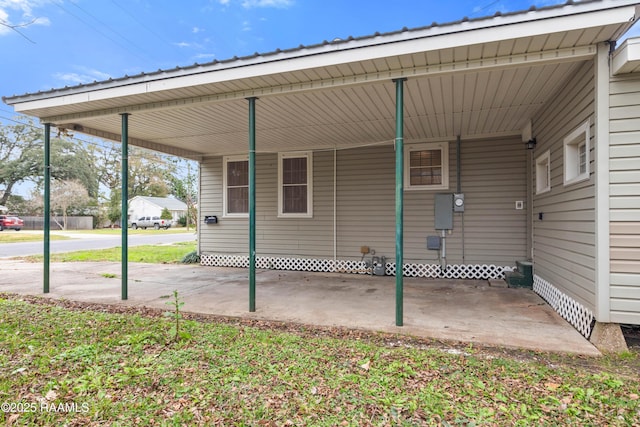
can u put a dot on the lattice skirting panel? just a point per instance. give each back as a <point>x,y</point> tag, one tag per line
<point>454,271</point>
<point>572,311</point>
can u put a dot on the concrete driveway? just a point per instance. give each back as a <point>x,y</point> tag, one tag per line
<point>465,311</point>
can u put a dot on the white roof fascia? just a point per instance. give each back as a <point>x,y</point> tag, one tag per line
<point>562,19</point>
<point>626,58</point>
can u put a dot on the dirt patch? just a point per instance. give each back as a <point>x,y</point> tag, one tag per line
<point>632,337</point>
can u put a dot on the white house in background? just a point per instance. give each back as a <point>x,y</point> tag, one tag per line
<point>141,206</point>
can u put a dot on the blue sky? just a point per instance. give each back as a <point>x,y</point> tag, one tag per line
<point>68,42</point>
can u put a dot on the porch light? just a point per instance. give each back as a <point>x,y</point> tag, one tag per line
<point>531,144</point>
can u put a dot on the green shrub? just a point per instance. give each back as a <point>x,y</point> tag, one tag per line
<point>191,258</point>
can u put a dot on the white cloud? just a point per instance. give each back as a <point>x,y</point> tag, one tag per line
<point>25,6</point>
<point>182,44</point>
<point>250,4</point>
<point>4,18</point>
<point>83,75</point>
<point>208,57</point>
<point>197,30</point>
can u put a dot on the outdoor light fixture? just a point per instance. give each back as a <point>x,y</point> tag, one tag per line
<point>527,136</point>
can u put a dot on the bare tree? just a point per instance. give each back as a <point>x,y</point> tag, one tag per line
<point>67,196</point>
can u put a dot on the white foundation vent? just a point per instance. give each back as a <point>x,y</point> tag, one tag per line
<point>572,311</point>
<point>453,271</point>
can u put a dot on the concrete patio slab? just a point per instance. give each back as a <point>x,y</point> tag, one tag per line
<point>466,311</point>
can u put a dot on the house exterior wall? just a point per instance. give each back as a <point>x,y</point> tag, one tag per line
<point>140,207</point>
<point>493,178</point>
<point>564,239</point>
<point>624,185</point>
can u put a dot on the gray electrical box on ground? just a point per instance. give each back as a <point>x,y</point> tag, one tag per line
<point>443,205</point>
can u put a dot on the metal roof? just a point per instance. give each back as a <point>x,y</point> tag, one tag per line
<point>164,202</point>
<point>473,77</point>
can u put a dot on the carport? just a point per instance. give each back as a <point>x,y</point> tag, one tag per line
<point>468,80</point>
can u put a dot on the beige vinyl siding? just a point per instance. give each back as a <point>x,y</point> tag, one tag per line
<point>624,190</point>
<point>564,239</point>
<point>493,179</point>
<point>366,201</point>
<point>304,237</point>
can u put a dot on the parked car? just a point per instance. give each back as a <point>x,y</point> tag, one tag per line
<point>151,221</point>
<point>11,222</point>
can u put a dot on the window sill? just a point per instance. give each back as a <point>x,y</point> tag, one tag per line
<point>577,179</point>
<point>426,188</point>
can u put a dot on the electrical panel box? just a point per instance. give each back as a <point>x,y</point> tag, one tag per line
<point>443,205</point>
<point>458,202</point>
<point>433,243</point>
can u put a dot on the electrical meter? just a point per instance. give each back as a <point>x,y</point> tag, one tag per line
<point>458,202</point>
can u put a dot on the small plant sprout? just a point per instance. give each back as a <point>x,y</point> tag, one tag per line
<point>175,314</point>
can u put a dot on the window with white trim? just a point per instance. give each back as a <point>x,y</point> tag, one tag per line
<point>426,166</point>
<point>295,184</point>
<point>576,155</point>
<point>543,173</point>
<point>236,186</point>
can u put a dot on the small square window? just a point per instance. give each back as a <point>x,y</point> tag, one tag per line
<point>543,173</point>
<point>576,155</point>
<point>426,166</point>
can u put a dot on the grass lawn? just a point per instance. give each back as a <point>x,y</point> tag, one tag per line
<point>162,254</point>
<point>65,363</point>
<point>11,236</point>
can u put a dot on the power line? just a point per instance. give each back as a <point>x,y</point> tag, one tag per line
<point>15,28</point>
<point>94,28</point>
<point>141,23</point>
<point>107,26</point>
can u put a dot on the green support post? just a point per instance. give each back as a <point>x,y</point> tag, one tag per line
<point>47,205</point>
<point>252,204</point>
<point>399,147</point>
<point>124,223</point>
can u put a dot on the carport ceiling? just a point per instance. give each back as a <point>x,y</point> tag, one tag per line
<point>477,104</point>
<point>341,94</point>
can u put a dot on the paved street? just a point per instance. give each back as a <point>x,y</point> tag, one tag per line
<point>87,241</point>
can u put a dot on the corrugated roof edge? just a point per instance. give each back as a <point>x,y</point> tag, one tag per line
<point>189,68</point>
